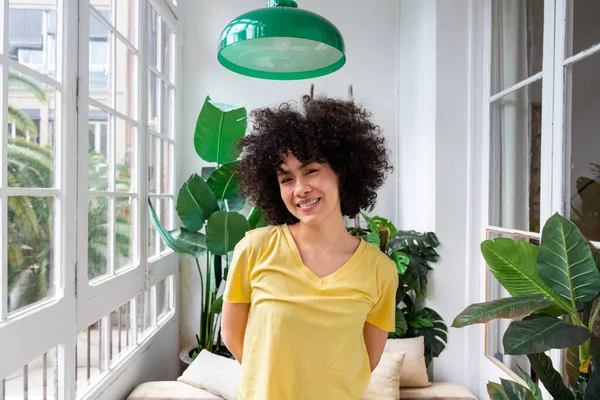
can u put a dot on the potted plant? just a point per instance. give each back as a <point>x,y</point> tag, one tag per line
<point>411,252</point>
<point>209,209</point>
<point>557,278</point>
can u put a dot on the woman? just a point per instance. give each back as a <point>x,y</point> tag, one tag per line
<point>307,305</point>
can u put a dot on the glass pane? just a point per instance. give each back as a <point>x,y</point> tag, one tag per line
<point>582,25</point>
<point>582,122</point>
<point>89,356</point>
<point>126,81</point>
<point>166,217</point>
<point>515,145</point>
<point>98,216</point>
<point>153,163</point>
<point>124,232</point>
<point>121,328</point>
<point>162,297</point>
<point>31,141</point>
<point>32,35</point>
<point>98,145</point>
<point>167,111</point>
<point>152,36</point>
<point>36,380</point>
<point>105,8</point>
<point>167,53</point>
<point>127,19</point>
<point>100,73</point>
<point>495,330</point>
<point>517,41</point>
<point>167,160</point>
<point>30,250</point>
<point>126,142</point>
<point>152,234</point>
<point>144,312</point>
<point>153,99</point>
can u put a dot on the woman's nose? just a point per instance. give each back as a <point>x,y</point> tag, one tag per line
<point>302,187</point>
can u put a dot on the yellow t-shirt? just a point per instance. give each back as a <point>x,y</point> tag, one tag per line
<point>304,338</point>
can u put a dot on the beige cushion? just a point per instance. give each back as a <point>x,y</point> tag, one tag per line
<point>385,379</point>
<point>216,374</point>
<point>438,390</point>
<point>170,390</point>
<point>414,371</point>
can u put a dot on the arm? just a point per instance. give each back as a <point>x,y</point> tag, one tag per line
<point>375,339</point>
<point>233,327</point>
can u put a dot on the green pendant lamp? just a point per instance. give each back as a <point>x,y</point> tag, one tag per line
<point>281,42</point>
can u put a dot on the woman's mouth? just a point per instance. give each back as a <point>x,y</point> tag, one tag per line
<point>309,204</point>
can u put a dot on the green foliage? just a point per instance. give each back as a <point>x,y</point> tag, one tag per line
<point>558,277</point>
<point>411,252</point>
<point>212,201</point>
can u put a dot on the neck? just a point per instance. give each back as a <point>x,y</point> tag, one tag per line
<point>330,232</point>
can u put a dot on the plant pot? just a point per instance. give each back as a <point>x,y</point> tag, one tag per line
<point>185,356</point>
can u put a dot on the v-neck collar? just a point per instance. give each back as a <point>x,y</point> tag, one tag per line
<point>343,270</point>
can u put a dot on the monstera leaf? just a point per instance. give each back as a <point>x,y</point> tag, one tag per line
<point>496,391</point>
<point>565,262</point>
<point>218,129</point>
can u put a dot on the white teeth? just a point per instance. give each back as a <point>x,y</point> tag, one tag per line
<point>309,203</point>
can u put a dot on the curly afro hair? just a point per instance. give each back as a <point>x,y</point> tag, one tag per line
<point>325,130</point>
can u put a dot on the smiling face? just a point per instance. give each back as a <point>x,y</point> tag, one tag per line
<point>310,190</point>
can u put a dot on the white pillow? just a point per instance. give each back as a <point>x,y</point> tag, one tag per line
<point>385,380</point>
<point>414,370</point>
<point>213,373</point>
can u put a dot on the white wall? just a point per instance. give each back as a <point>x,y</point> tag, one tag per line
<point>370,34</point>
<point>419,83</point>
<point>434,107</point>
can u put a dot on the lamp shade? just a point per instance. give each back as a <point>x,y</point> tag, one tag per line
<point>281,42</point>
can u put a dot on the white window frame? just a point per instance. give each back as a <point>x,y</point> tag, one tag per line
<point>56,322</point>
<point>554,148</point>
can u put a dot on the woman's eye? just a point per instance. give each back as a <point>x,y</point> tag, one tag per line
<point>311,171</point>
<point>286,180</point>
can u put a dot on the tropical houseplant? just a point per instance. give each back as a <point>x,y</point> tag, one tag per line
<point>411,252</point>
<point>557,278</point>
<point>212,203</point>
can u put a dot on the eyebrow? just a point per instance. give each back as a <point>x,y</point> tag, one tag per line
<point>281,171</point>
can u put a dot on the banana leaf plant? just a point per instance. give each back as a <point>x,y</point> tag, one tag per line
<point>557,278</point>
<point>209,209</point>
<point>411,252</point>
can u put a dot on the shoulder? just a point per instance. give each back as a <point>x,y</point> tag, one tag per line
<point>385,268</point>
<point>260,239</point>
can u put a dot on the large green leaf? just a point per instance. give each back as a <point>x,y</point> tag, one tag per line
<point>514,391</point>
<point>593,387</point>
<point>195,203</point>
<point>217,306</point>
<point>401,325</point>
<point>552,380</point>
<point>224,181</point>
<point>565,261</point>
<point>224,230</point>
<point>496,391</point>
<point>535,390</point>
<point>235,204</point>
<point>514,264</point>
<point>401,260</point>
<point>218,129</point>
<point>181,240</point>
<point>537,335</point>
<point>511,307</point>
<point>256,219</point>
